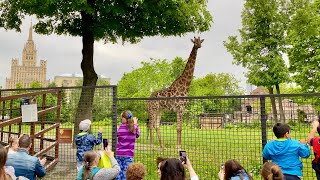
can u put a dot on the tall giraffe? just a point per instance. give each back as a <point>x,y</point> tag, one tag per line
<point>179,88</point>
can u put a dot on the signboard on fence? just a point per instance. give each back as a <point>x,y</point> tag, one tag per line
<point>65,135</point>
<point>29,113</point>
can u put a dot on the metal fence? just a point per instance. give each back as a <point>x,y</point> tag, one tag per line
<point>214,129</point>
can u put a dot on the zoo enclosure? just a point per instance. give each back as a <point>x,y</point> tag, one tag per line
<point>215,128</point>
<point>15,127</point>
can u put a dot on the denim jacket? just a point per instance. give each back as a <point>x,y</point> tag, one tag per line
<point>26,165</point>
<point>85,142</point>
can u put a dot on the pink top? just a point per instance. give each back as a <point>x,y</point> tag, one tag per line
<point>126,140</point>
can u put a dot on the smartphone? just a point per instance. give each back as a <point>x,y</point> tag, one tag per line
<point>105,143</point>
<point>183,156</point>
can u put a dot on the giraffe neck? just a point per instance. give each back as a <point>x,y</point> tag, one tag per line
<point>186,77</point>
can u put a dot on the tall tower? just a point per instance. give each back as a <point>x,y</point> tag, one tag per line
<point>29,53</point>
<point>24,75</point>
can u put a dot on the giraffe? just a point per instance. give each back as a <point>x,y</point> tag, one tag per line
<point>179,88</point>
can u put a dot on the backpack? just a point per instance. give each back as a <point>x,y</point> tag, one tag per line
<point>93,172</point>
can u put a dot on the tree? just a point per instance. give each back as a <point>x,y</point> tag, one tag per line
<point>304,50</point>
<point>125,20</point>
<point>35,84</point>
<point>153,75</point>
<point>220,84</point>
<point>262,45</point>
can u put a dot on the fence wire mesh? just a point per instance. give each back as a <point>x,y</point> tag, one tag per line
<point>214,129</point>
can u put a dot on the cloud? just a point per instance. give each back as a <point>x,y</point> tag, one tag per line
<point>63,53</point>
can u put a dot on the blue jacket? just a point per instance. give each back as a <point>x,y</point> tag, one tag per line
<point>25,165</point>
<point>237,177</point>
<point>286,153</point>
<point>85,142</point>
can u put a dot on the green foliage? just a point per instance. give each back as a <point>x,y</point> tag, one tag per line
<point>19,86</point>
<point>262,42</point>
<point>124,20</point>
<point>304,50</point>
<point>219,84</point>
<point>35,84</point>
<point>152,76</point>
<point>291,89</point>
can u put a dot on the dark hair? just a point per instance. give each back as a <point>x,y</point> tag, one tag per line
<point>280,130</point>
<point>89,158</point>
<point>172,169</point>
<point>136,171</point>
<point>160,159</point>
<point>130,123</point>
<point>3,160</point>
<point>233,168</point>
<point>271,171</point>
<point>24,141</point>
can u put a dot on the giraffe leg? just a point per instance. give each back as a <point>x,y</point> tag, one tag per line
<point>159,137</point>
<point>151,138</point>
<point>179,128</point>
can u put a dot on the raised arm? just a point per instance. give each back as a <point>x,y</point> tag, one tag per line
<point>315,125</point>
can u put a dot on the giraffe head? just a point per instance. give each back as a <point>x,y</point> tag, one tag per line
<point>197,42</point>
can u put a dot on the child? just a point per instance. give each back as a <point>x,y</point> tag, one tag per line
<point>85,141</point>
<point>127,134</point>
<point>271,171</point>
<point>315,143</point>
<point>13,145</point>
<point>90,167</point>
<point>286,152</point>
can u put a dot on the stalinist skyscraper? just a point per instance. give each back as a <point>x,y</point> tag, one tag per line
<point>28,72</point>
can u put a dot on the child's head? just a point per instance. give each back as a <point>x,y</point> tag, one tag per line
<point>232,167</point>
<point>91,160</point>
<point>271,171</point>
<point>281,130</point>
<point>14,143</point>
<point>127,117</point>
<point>172,168</point>
<point>136,171</point>
<point>84,125</point>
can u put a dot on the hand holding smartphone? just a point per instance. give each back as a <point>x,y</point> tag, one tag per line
<point>105,143</point>
<point>183,156</point>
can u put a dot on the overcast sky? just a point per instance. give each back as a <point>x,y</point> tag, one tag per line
<point>63,53</point>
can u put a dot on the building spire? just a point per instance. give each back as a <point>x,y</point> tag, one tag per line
<point>30,32</point>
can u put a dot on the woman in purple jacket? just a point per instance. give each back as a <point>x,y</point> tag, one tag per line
<point>128,132</point>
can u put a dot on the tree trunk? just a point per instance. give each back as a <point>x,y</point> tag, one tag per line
<point>273,104</point>
<point>282,118</point>
<point>90,77</point>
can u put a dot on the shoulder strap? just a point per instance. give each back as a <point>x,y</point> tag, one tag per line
<point>94,171</point>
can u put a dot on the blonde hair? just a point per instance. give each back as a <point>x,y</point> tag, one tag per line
<point>130,123</point>
<point>13,140</point>
<point>271,171</point>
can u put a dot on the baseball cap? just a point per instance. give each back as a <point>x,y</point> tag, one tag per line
<point>84,125</point>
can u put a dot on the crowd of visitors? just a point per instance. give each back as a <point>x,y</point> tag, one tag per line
<point>284,152</point>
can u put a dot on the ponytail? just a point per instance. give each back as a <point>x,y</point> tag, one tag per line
<point>276,173</point>
<point>130,123</point>
<point>271,171</point>
<point>89,158</point>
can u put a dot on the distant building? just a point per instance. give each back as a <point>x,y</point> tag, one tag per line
<point>69,80</point>
<point>28,72</point>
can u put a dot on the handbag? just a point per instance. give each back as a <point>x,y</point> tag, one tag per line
<point>104,161</point>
